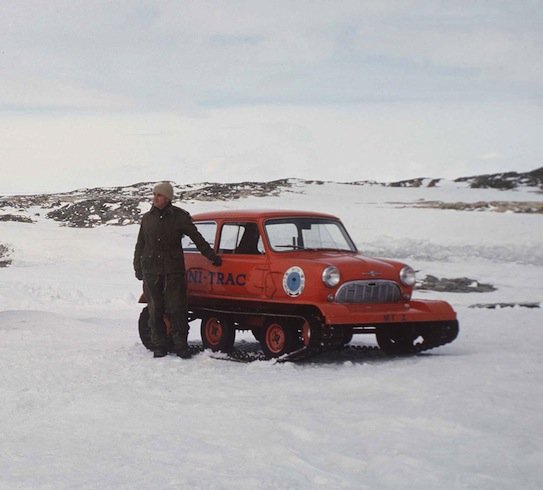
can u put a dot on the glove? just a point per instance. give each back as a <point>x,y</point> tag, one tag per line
<point>217,261</point>
<point>139,275</point>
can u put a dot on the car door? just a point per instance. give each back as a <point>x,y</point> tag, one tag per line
<point>244,262</point>
<point>198,268</point>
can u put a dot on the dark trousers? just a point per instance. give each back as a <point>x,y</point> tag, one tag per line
<point>166,293</point>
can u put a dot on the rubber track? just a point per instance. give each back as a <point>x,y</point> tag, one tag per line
<point>305,353</point>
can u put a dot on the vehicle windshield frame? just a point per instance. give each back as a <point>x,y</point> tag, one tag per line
<point>302,222</point>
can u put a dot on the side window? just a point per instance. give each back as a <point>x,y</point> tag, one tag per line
<point>241,238</point>
<point>207,229</point>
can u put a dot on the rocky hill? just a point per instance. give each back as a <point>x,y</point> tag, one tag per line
<point>87,208</point>
<point>506,180</point>
<point>503,181</point>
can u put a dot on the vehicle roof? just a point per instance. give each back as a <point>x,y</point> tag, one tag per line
<point>254,214</point>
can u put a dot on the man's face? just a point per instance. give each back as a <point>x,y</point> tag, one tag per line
<point>160,201</point>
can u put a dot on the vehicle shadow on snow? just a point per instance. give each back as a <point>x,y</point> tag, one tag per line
<point>247,351</point>
<point>362,354</point>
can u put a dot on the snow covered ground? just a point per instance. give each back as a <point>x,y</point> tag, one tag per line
<point>84,405</point>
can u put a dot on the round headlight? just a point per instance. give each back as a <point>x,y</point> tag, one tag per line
<point>331,276</point>
<point>407,276</point>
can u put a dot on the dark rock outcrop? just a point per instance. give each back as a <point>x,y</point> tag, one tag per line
<point>528,207</point>
<point>505,180</point>
<point>494,306</point>
<point>16,217</point>
<point>457,285</point>
<point>5,251</point>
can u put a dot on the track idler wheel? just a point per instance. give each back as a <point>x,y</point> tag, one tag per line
<point>444,333</point>
<point>144,330</point>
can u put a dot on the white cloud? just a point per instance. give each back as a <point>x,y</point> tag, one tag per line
<point>172,54</point>
<point>492,156</point>
<point>93,92</point>
<point>41,93</point>
<point>490,52</point>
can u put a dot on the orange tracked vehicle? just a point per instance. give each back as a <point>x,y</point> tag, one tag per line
<point>298,282</point>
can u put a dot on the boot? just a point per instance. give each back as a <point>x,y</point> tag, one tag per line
<point>183,353</point>
<point>160,353</point>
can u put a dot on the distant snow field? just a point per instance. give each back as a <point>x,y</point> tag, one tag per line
<point>84,404</point>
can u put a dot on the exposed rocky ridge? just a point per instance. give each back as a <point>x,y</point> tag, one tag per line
<point>87,208</point>
<point>418,182</point>
<point>505,180</point>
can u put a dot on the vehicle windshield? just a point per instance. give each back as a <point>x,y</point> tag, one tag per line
<point>288,234</point>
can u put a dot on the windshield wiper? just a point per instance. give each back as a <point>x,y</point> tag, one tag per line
<point>330,249</point>
<point>293,247</point>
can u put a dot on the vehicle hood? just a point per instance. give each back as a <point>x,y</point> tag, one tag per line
<point>351,266</point>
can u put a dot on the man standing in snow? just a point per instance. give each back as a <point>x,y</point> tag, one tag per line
<point>159,262</point>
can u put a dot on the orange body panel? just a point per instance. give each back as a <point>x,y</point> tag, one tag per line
<point>293,278</point>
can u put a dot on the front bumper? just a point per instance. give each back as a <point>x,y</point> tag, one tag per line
<point>416,311</point>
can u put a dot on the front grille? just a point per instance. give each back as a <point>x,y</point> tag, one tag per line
<point>369,292</point>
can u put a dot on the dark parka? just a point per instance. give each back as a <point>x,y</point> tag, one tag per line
<point>158,249</point>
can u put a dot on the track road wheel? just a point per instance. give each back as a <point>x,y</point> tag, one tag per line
<point>397,340</point>
<point>278,339</point>
<point>218,334</point>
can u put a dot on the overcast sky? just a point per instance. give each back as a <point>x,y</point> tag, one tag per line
<point>117,92</point>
